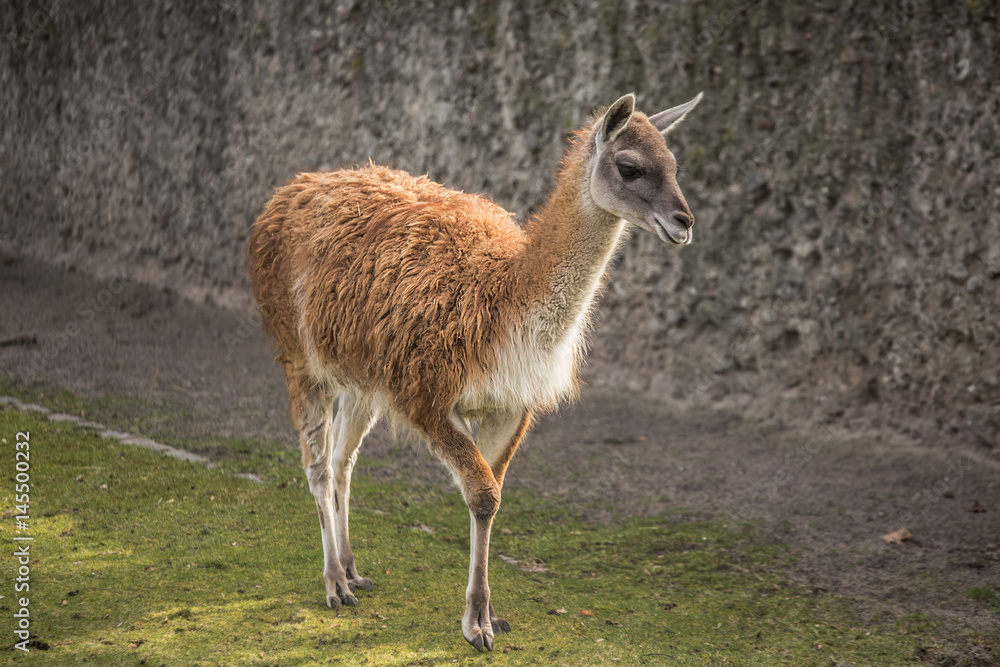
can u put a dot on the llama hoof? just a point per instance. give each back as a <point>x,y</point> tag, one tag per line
<point>499,625</point>
<point>362,583</point>
<point>482,641</point>
<point>477,627</point>
<point>335,602</point>
<point>342,596</point>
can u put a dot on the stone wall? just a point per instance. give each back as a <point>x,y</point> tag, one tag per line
<point>843,168</point>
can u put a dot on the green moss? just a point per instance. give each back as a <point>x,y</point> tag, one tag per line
<point>982,593</point>
<point>986,594</point>
<point>141,557</point>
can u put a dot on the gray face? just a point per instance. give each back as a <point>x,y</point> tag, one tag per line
<point>634,175</point>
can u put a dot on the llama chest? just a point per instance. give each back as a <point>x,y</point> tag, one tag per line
<point>536,368</point>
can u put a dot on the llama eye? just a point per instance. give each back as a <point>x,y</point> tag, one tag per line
<point>628,172</point>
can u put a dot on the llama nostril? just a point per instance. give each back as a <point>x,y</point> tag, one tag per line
<point>686,219</point>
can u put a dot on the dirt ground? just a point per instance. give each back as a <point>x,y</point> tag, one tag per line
<point>154,363</point>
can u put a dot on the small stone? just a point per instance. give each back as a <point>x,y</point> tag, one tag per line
<point>691,295</point>
<point>974,284</point>
<point>962,69</point>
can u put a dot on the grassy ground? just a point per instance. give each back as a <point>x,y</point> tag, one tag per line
<point>141,559</point>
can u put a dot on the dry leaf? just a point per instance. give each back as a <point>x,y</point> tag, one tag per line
<point>897,537</point>
<point>976,507</point>
<point>585,612</point>
<point>556,612</point>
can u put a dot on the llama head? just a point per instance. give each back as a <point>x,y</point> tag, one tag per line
<point>634,174</point>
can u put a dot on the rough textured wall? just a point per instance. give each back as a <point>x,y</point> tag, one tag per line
<point>843,168</point>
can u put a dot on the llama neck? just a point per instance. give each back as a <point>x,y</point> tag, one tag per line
<point>570,244</point>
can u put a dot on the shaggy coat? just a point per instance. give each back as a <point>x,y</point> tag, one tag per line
<point>397,296</point>
<point>405,289</point>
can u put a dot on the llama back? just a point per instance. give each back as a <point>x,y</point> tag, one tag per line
<point>389,283</point>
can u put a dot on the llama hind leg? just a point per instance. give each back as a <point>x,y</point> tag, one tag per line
<point>355,418</point>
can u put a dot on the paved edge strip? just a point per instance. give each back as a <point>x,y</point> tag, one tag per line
<point>105,432</point>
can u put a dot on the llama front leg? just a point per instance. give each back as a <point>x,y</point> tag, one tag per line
<point>450,439</point>
<point>480,624</point>
<point>500,433</point>
<point>355,418</point>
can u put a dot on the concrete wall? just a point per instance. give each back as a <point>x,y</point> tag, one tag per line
<point>843,168</point>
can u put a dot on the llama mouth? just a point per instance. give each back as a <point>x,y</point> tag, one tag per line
<point>671,232</point>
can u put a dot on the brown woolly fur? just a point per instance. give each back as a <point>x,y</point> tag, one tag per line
<point>409,287</point>
<point>399,277</point>
<point>389,294</point>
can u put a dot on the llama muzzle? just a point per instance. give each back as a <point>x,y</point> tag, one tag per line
<point>672,230</point>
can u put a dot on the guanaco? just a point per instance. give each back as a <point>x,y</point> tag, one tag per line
<point>391,295</point>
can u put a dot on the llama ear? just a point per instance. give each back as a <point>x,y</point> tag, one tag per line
<point>616,118</point>
<point>665,121</point>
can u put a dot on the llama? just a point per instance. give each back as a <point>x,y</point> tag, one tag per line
<point>394,296</point>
